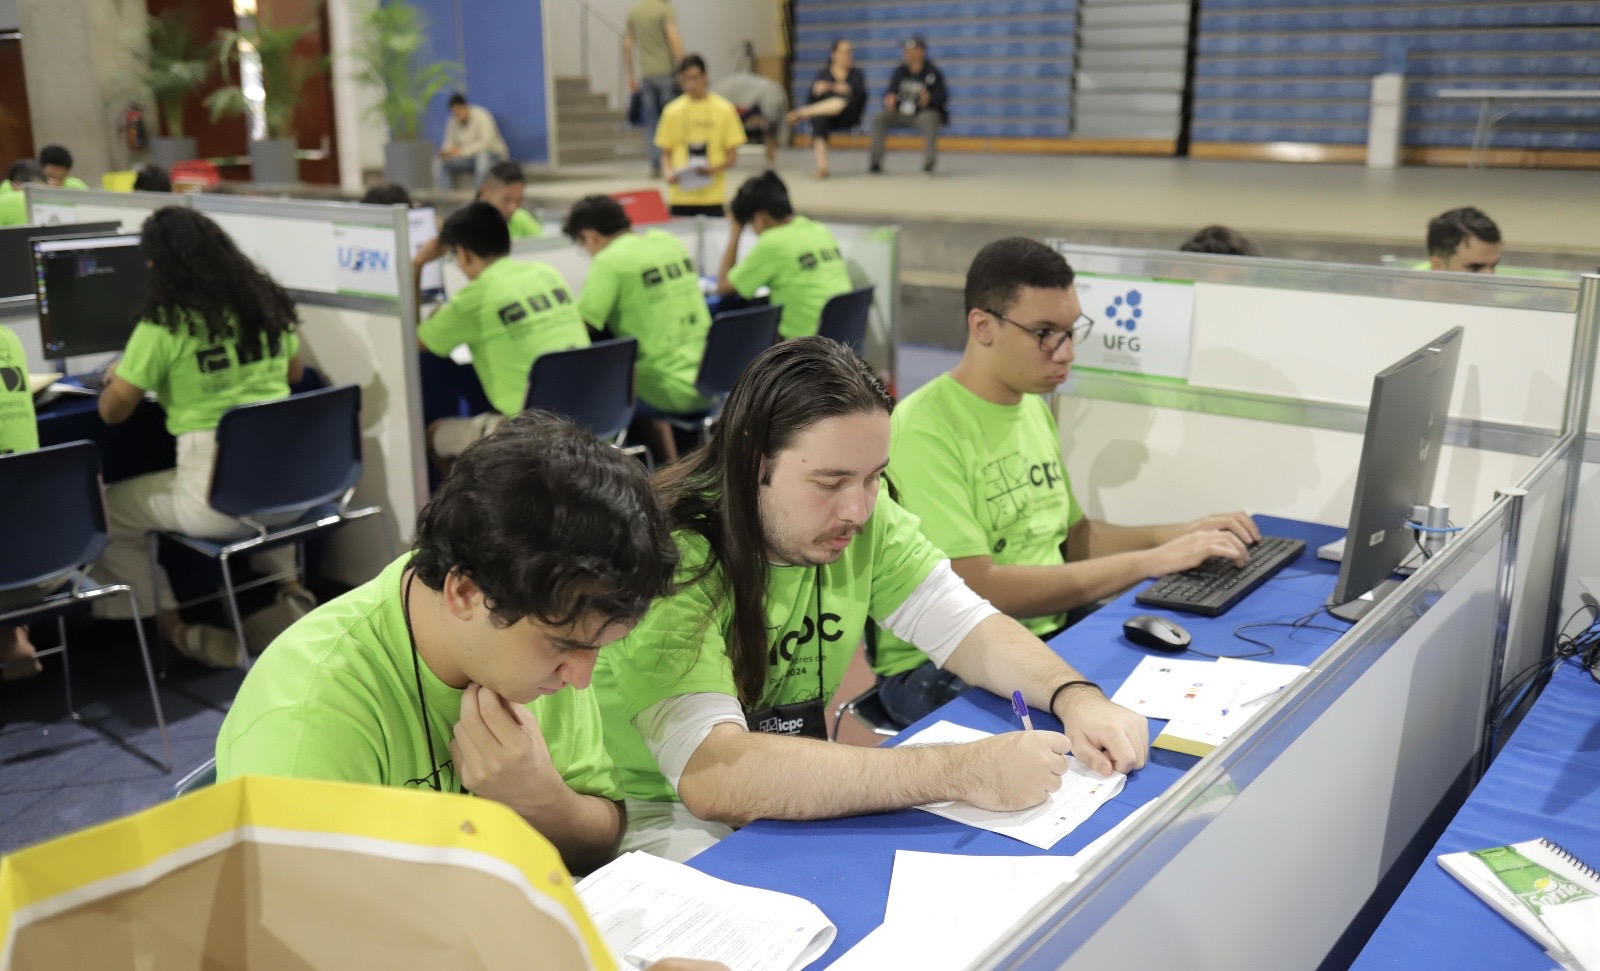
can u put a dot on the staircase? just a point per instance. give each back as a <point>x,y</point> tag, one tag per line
<point>588,129</point>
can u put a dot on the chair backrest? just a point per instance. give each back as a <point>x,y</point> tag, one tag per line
<point>288,455</point>
<point>844,318</point>
<point>52,513</point>
<point>591,386</point>
<point>736,338</point>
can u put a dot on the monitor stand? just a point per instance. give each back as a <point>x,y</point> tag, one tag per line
<point>1358,608</point>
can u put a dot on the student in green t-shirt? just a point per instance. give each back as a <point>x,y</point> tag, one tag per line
<point>508,315</point>
<point>1463,240</point>
<point>644,285</point>
<point>56,162</point>
<point>19,432</point>
<point>797,258</point>
<point>503,189</point>
<point>977,456</point>
<point>13,201</point>
<point>787,549</point>
<point>215,331</point>
<point>465,665</point>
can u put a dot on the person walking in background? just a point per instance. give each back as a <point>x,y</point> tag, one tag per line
<point>701,134</point>
<point>838,95</point>
<point>917,98</point>
<point>653,34</point>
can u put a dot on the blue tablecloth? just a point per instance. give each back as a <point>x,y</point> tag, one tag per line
<point>1545,783</point>
<point>844,865</point>
<point>138,446</point>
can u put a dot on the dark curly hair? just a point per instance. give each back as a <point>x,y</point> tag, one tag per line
<point>199,281</point>
<point>549,523</point>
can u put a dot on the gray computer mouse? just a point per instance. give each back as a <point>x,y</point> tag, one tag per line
<point>1158,633</point>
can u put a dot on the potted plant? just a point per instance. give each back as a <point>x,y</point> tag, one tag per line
<point>386,53</point>
<point>174,65</point>
<point>269,52</point>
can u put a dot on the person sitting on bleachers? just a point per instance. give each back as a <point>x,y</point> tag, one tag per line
<point>508,315</point>
<point>917,98</point>
<point>472,143</point>
<point>976,455</point>
<point>796,258</point>
<point>762,104</point>
<point>215,332</point>
<point>645,285</point>
<point>1222,240</point>
<point>13,201</point>
<point>838,95</point>
<point>1463,240</point>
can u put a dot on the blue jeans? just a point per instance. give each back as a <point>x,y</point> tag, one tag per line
<point>445,169</point>
<point>654,93</point>
<point>912,695</point>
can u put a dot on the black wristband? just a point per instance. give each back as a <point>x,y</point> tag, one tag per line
<point>1070,684</point>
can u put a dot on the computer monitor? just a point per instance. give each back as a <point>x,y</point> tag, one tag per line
<point>16,252</point>
<point>1399,457</point>
<point>90,289</point>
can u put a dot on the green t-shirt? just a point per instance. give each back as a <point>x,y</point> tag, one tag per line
<point>335,697</point>
<point>509,316</point>
<point>800,261</point>
<point>197,379</point>
<point>680,647</point>
<point>13,209</point>
<point>19,429</point>
<point>644,285</point>
<point>647,22</point>
<point>73,182</point>
<point>986,480</point>
<point>522,225</point>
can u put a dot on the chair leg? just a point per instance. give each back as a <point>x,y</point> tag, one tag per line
<point>150,678</point>
<point>233,611</point>
<point>66,666</point>
<point>155,598</point>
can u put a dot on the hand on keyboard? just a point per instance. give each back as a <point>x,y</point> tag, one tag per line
<point>1237,523</point>
<point>1192,549</point>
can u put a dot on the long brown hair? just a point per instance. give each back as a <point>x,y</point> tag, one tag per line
<point>715,491</point>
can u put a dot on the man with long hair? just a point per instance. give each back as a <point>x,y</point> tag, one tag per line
<point>465,664</point>
<point>713,704</point>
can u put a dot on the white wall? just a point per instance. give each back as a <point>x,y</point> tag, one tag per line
<point>361,134</point>
<point>715,31</point>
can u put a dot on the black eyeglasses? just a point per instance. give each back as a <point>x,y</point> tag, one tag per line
<point>1050,339</point>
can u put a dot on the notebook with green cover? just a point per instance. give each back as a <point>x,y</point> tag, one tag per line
<point>1525,881</point>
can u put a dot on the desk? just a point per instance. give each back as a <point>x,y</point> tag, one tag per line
<point>1488,114</point>
<point>1544,783</point>
<point>138,446</point>
<point>843,865</point>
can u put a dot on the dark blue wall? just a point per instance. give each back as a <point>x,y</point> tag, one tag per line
<point>502,45</point>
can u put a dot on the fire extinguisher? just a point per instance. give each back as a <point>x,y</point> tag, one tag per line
<point>133,127</point>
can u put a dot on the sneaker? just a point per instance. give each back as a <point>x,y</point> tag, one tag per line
<point>875,169</point>
<point>211,646</point>
<point>263,627</point>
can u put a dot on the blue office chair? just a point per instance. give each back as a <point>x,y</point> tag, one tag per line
<point>844,319</point>
<point>736,338</point>
<point>53,519</point>
<point>198,778</point>
<point>590,386</point>
<point>285,469</point>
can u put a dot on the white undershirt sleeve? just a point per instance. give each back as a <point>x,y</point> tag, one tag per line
<point>939,614</point>
<point>675,727</point>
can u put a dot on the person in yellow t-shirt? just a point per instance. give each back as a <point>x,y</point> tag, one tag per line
<point>699,135</point>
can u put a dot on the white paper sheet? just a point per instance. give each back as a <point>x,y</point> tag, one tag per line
<point>1576,924</point>
<point>1239,690</point>
<point>1165,688</point>
<point>1082,792</point>
<point>649,908</point>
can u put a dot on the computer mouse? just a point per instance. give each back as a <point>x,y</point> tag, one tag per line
<point>1158,633</point>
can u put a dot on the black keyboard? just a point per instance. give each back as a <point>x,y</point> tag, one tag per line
<point>1217,584</point>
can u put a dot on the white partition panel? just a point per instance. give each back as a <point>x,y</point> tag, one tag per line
<point>570,260</point>
<point>49,206</point>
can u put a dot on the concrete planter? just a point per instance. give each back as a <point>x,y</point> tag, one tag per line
<point>167,151</point>
<point>273,162</point>
<point>409,163</point>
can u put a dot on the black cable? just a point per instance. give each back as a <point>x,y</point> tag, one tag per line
<point>1585,646</point>
<point>1268,650</point>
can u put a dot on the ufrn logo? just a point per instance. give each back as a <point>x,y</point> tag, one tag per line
<point>361,259</point>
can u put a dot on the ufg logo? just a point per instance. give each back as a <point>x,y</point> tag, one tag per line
<point>1124,312</point>
<point>361,259</point>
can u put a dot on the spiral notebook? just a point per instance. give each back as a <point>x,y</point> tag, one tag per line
<point>1530,883</point>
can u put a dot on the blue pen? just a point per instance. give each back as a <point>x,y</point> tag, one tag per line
<point>1021,708</point>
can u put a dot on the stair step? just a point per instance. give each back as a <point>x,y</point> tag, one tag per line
<point>586,100</point>
<point>594,130</point>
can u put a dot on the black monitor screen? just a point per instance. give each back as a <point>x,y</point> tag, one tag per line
<point>16,252</point>
<point>90,292</point>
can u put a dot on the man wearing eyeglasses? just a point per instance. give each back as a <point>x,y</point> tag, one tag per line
<point>976,454</point>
